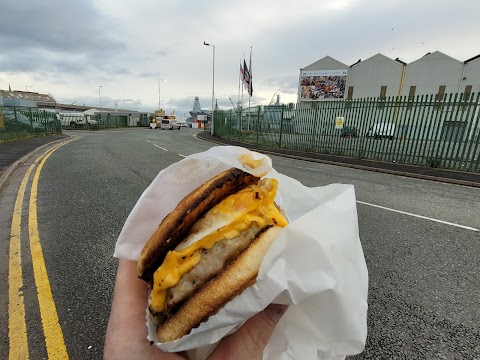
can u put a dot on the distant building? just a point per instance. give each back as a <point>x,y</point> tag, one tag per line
<point>380,76</point>
<point>44,101</point>
<point>26,99</point>
<point>377,76</point>
<point>200,117</point>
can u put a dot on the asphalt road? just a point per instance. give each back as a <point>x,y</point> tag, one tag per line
<point>424,282</point>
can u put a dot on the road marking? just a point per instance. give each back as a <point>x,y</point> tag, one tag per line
<point>159,147</point>
<point>420,216</point>
<point>17,328</point>
<point>155,145</point>
<point>54,340</point>
<point>181,155</point>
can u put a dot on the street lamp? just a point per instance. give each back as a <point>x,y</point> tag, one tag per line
<point>99,97</point>
<point>164,80</point>
<point>27,86</point>
<point>213,81</point>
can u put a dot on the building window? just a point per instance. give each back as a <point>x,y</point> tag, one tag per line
<point>411,92</point>
<point>439,97</point>
<point>467,92</point>
<point>382,97</point>
<point>411,96</point>
<point>441,92</point>
<point>383,92</point>
<point>350,93</point>
<point>466,96</point>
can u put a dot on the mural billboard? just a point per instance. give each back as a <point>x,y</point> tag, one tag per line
<point>322,84</point>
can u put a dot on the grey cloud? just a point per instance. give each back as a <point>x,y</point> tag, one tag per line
<point>121,71</point>
<point>149,75</point>
<point>286,84</point>
<point>65,26</point>
<point>40,63</point>
<point>162,52</point>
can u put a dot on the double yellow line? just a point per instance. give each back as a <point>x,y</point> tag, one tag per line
<point>17,329</point>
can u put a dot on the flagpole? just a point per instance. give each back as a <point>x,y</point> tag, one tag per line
<point>241,111</point>
<point>239,81</point>
<point>237,110</point>
<point>249,88</point>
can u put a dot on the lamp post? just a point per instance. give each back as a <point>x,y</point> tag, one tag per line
<point>99,97</point>
<point>213,81</point>
<point>159,108</point>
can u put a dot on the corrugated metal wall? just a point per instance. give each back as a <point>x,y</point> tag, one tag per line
<point>368,77</point>
<point>432,71</point>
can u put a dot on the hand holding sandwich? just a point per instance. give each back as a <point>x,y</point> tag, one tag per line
<point>197,265</point>
<point>126,334</point>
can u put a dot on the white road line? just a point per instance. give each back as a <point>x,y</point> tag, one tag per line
<point>181,155</point>
<point>160,147</point>
<point>155,145</point>
<point>420,216</point>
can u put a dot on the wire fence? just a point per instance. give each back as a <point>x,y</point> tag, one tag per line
<point>427,130</point>
<point>18,122</point>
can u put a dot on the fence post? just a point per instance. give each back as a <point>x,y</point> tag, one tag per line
<point>229,124</point>
<point>15,116</point>
<point>31,118</point>
<point>258,122</point>
<point>281,128</point>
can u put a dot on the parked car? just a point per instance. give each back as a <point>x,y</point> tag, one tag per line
<point>382,130</point>
<point>349,131</point>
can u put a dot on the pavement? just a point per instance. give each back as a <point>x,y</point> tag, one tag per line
<point>15,153</point>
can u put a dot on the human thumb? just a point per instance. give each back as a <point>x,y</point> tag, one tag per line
<point>250,340</point>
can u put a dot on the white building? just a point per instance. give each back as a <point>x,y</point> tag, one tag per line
<point>380,76</point>
<point>434,73</point>
<point>470,82</point>
<point>376,76</point>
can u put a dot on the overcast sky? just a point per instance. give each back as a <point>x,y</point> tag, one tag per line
<point>69,48</point>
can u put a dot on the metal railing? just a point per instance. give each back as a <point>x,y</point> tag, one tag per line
<point>428,130</point>
<point>17,122</point>
<point>105,120</point>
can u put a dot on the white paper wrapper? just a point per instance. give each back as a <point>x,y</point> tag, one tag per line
<point>316,265</point>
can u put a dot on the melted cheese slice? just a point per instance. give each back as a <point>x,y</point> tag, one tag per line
<point>236,213</point>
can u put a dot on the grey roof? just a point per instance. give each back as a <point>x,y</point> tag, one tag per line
<point>326,63</point>
<point>42,100</point>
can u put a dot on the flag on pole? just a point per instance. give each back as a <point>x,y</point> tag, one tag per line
<point>245,75</point>
<point>247,78</point>
<point>241,72</point>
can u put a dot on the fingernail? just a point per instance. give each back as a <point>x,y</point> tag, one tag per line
<point>275,312</point>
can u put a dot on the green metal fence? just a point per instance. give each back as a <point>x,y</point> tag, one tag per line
<point>423,130</point>
<point>81,121</point>
<point>17,122</point>
<point>107,121</point>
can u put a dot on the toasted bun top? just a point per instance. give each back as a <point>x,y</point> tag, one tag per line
<point>176,225</point>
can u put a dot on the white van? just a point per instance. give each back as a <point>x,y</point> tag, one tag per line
<point>169,122</point>
<point>382,130</point>
<point>76,119</point>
